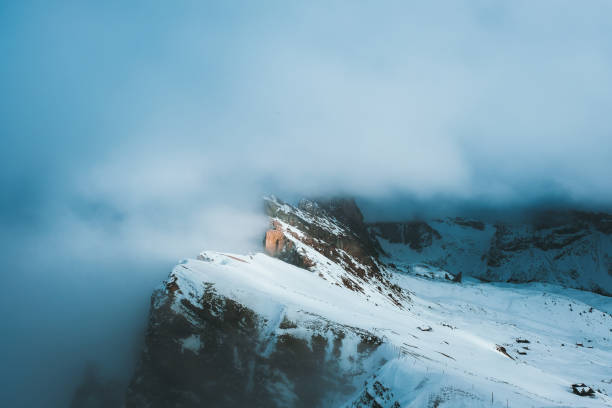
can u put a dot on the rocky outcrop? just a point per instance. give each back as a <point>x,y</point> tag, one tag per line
<point>375,395</point>
<point>176,371</point>
<point>332,231</point>
<point>570,248</point>
<point>275,242</point>
<point>327,224</point>
<point>346,211</point>
<point>278,245</point>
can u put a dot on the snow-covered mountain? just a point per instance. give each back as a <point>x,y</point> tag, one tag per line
<point>570,248</point>
<point>336,313</point>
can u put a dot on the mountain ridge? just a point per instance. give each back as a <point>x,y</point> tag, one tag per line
<point>322,317</point>
<point>571,248</point>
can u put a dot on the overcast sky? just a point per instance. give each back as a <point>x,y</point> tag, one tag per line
<point>137,134</point>
<point>151,115</point>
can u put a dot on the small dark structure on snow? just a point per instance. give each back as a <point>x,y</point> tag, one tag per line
<point>583,390</point>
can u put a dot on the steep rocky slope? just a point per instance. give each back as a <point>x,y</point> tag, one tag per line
<point>321,319</point>
<point>573,249</point>
<point>330,238</point>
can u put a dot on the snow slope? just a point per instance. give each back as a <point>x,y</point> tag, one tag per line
<point>456,363</point>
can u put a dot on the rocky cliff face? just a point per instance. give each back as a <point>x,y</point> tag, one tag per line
<point>416,234</point>
<point>210,350</point>
<point>569,248</point>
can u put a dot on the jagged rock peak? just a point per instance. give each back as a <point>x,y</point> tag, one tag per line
<point>310,206</point>
<point>344,209</point>
<point>328,237</point>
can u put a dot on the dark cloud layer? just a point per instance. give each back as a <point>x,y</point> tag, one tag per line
<point>135,135</point>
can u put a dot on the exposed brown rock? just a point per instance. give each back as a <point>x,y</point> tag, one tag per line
<point>503,350</point>
<point>335,229</point>
<point>275,242</point>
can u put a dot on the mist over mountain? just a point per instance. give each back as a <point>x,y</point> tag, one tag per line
<point>136,135</point>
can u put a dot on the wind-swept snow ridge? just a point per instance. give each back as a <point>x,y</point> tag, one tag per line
<point>254,330</point>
